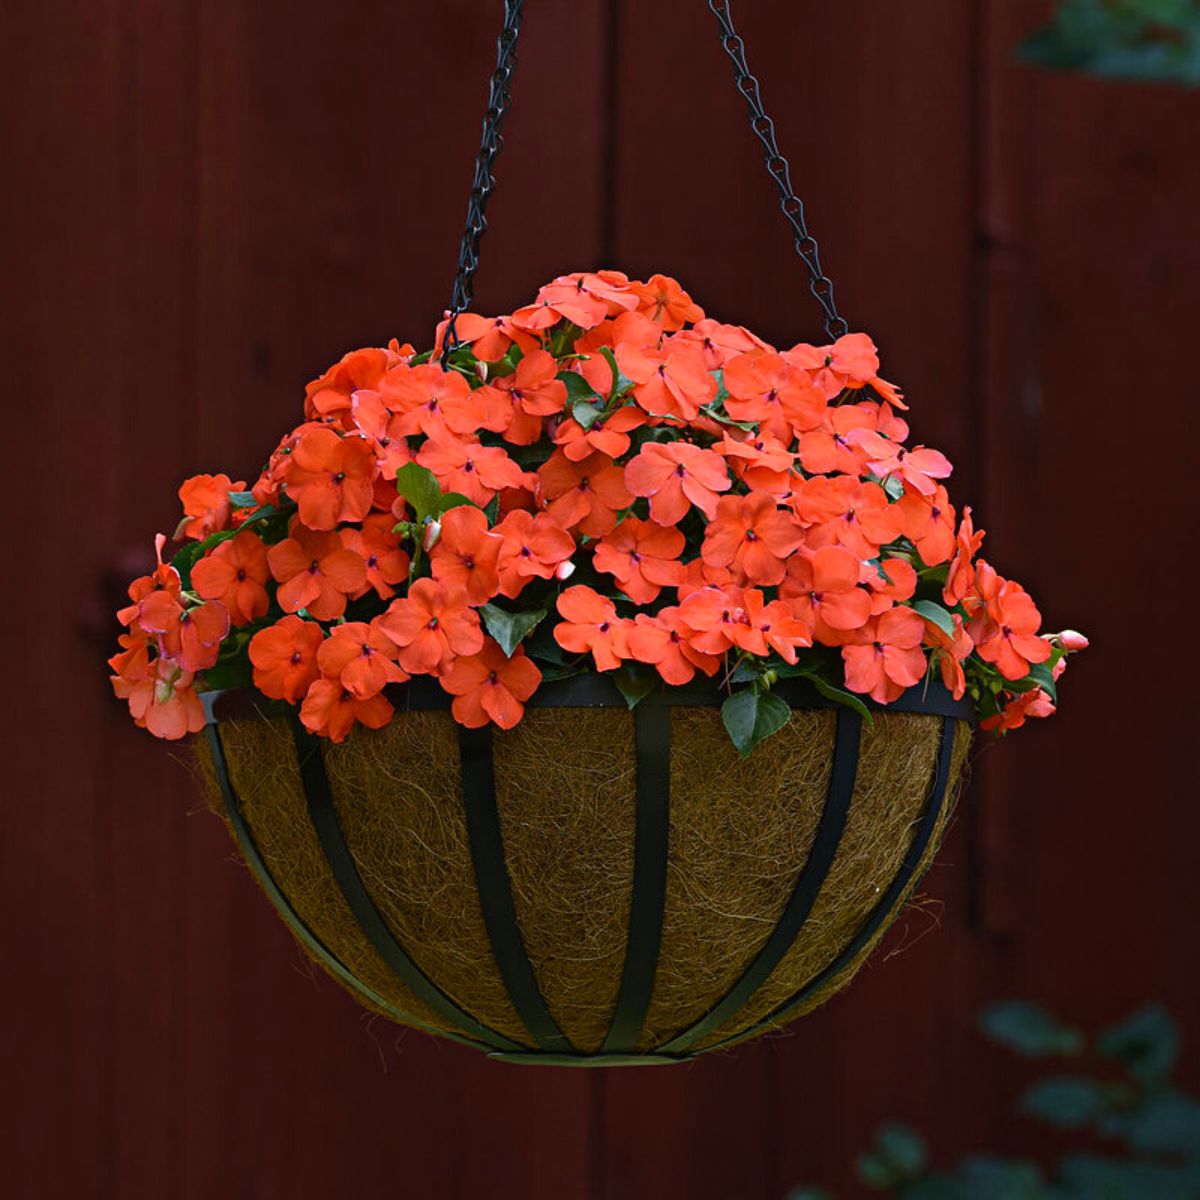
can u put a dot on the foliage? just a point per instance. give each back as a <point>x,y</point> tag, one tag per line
<point>604,480</point>
<point>1141,1134</point>
<point>1156,40</point>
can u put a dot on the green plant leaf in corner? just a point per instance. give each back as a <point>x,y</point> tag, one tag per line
<point>749,716</point>
<point>509,628</point>
<point>419,486</point>
<point>935,614</point>
<point>840,696</point>
<point>635,682</point>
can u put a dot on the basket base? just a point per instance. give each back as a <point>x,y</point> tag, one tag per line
<point>533,1059</point>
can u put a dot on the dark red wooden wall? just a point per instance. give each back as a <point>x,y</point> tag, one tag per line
<point>207,202</point>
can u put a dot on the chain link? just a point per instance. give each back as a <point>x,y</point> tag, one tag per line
<point>499,98</point>
<point>777,167</point>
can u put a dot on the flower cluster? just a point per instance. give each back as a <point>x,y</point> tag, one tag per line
<point>603,480</point>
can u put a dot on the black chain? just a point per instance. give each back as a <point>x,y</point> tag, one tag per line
<point>499,98</point>
<point>777,166</point>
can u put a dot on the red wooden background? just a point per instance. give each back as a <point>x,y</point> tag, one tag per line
<point>206,203</point>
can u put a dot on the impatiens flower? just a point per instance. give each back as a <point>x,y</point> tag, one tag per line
<point>331,477</point>
<point>590,625</point>
<point>661,641</point>
<point>160,693</point>
<point>190,636</point>
<point>332,711</point>
<point>719,343</point>
<point>434,402</point>
<point>949,653</point>
<point>775,622</point>
<point>360,657</point>
<point>163,578</point>
<point>643,557</point>
<point>928,523</point>
<point>332,394</point>
<point>960,578</point>
<point>473,470</point>
<point>586,299</point>
<point>664,301</point>
<point>715,621</point>
<point>885,658</point>
<point>1033,703</point>
<point>485,335</point>
<point>284,657</point>
<point>206,505</point>
<point>752,537</point>
<point>586,494</point>
<point>851,362</point>
<point>676,475</point>
<point>534,546</point>
<point>920,469</point>
<point>1004,624</point>
<point>776,396</point>
<point>762,462</point>
<point>315,572</point>
<point>490,686</point>
<point>466,555</point>
<point>823,589</point>
<point>609,436</point>
<point>830,447</point>
<point>669,380</point>
<point>892,580</point>
<point>386,562</point>
<point>431,625</point>
<point>382,428</point>
<point>698,574</point>
<point>847,512</point>
<point>234,572</point>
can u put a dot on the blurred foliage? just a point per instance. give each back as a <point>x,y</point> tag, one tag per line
<point>1114,1090</point>
<point>1156,40</point>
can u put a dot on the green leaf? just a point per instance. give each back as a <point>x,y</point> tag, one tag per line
<point>577,387</point>
<point>451,500</point>
<point>893,485</point>
<point>243,500</point>
<point>586,413</point>
<point>1065,1101</point>
<point>902,1148</point>
<point>419,486</point>
<point>750,716</point>
<point>619,382</point>
<point>509,628</point>
<point>635,682</point>
<point>1165,1122</point>
<point>840,696</point>
<point>936,614</point>
<point>1029,1030</point>
<point>492,510</point>
<point>1146,1044</point>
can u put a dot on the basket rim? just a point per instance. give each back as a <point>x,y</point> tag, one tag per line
<point>928,698</point>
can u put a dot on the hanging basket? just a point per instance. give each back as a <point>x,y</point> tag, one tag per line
<point>597,886</point>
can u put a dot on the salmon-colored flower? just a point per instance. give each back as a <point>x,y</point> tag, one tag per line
<point>831,446</point>
<point>473,470</point>
<point>676,475</point>
<point>609,435</point>
<point>851,362</point>
<point>762,462</point>
<point>1033,703</point>
<point>715,621</point>
<point>331,477</point>
<point>892,580</point>
<point>1003,625</point>
<point>235,572</point>
<point>467,555</point>
<point>643,557</point>
<point>823,589</point>
<point>206,505</point>
<point>664,301</point>
<point>490,686</point>
<point>586,494</point>
<point>432,625</point>
<point>331,711</point>
<point>698,574</point>
<point>885,657</point>
<point>586,299</point>
<point>590,624</point>
<point>534,546</point>
<point>384,430</point>
<point>960,577</point>
<point>378,546</point>
<point>315,572</point>
<point>950,650</point>
<point>776,623</point>
<point>332,394</point>
<point>661,642</point>
<point>928,523</point>
<point>284,657</point>
<point>719,343</point>
<point>360,657</point>
<point>488,337</point>
<point>164,577</point>
<point>436,403</point>
<point>160,694</point>
<point>190,636</point>
<point>844,511</point>
<point>752,537</point>
<point>778,397</point>
<point>669,380</point>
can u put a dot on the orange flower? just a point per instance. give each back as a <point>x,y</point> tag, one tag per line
<point>164,578</point>
<point>436,403</point>
<point>894,579</point>
<point>762,462</point>
<point>719,343</point>
<point>590,623</point>
<point>359,657</point>
<point>431,626</point>
<point>850,362</point>
<point>1033,703</point>
<point>190,637</point>
<point>485,335</point>
<point>664,301</point>
<point>1004,624</point>
<point>960,578</point>
<point>284,657</point>
<point>823,589</point>
<point>534,547</point>
<point>379,548</point>
<point>949,652</point>
<point>661,641</point>
<point>845,511</point>
<point>206,505</point>
<point>331,711</point>
<point>586,299</point>
<point>466,554</point>
<point>698,574</point>
<point>643,557</point>
<point>330,477</point>
<point>776,624</point>
<point>489,686</point>
<point>780,398</point>
<point>475,471</point>
<point>715,621</point>
<point>928,523</point>
<point>331,395</point>
<point>669,380</point>
<point>608,436</point>
<point>160,693</point>
<point>525,398</point>
<point>676,475</point>
<point>384,431</point>
<point>752,537</point>
<point>234,573</point>
<point>315,572</point>
<point>886,656</point>
<point>586,494</point>
<point>830,447</point>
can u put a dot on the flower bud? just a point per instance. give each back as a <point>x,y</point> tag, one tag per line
<point>1071,639</point>
<point>433,530</point>
<point>564,570</point>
